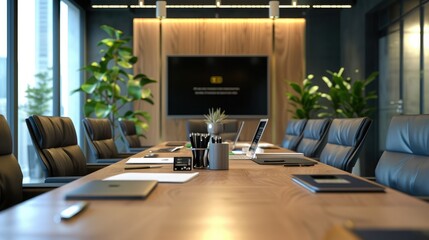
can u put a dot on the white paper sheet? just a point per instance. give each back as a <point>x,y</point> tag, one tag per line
<point>150,160</point>
<point>160,177</point>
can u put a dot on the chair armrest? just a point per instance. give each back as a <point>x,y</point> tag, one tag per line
<point>61,179</point>
<point>125,155</point>
<point>30,190</point>
<point>424,198</point>
<point>370,178</point>
<point>137,150</point>
<point>92,167</point>
<point>107,161</point>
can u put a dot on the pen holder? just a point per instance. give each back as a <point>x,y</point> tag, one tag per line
<point>200,157</point>
<point>219,156</point>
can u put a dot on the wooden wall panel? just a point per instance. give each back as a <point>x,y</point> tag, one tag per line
<point>289,53</point>
<point>224,37</point>
<point>214,37</point>
<point>146,46</point>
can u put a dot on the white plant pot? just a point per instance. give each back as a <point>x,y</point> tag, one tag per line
<point>214,128</point>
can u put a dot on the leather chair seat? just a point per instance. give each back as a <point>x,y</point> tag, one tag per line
<point>98,133</point>
<point>404,165</point>
<point>131,137</point>
<point>345,140</point>
<point>294,133</point>
<point>314,137</point>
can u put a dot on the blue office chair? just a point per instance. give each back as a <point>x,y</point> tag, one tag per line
<point>346,138</point>
<point>293,134</point>
<point>314,137</point>
<point>404,164</point>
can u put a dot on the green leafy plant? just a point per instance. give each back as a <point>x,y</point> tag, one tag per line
<point>305,100</point>
<point>110,87</point>
<point>215,116</point>
<point>348,97</point>
<point>39,96</point>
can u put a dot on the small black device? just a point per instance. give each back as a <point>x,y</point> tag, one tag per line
<point>182,164</point>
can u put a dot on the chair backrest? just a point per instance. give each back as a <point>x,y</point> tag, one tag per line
<point>230,128</point>
<point>314,137</point>
<point>55,141</point>
<point>293,133</point>
<point>98,133</point>
<point>129,134</point>
<point>10,172</point>
<point>404,165</point>
<point>344,143</point>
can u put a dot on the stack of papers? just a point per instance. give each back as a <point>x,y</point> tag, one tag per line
<point>149,160</point>
<point>160,177</point>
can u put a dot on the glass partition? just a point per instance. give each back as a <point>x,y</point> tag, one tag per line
<point>3,56</point>
<point>35,92</point>
<point>70,45</point>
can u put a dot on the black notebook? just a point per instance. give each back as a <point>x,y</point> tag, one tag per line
<point>110,189</point>
<point>287,162</point>
<point>335,183</point>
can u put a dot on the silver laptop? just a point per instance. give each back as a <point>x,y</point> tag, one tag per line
<point>109,189</point>
<point>251,153</point>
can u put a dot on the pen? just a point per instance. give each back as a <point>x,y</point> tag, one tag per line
<point>176,148</point>
<point>142,167</point>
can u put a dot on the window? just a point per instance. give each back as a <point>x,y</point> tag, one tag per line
<point>403,63</point>
<point>3,55</point>
<point>411,68</point>
<point>70,44</point>
<point>35,54</point>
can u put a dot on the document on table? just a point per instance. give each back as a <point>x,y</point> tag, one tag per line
<point>160,177</point>
<point>150,160</point>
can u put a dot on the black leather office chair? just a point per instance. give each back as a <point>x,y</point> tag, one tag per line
<point>404,165</point>
<point>346,138</point>
<point>314,137</point>
<point>12,190</point>
<point>100,140</point>
<point>55,141</point>
<point>230,128</point>
<point>293,134</point>
<point>130,136</point>
<point>10,172</point>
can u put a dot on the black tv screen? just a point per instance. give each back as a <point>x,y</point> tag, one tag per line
<point>237,84</point>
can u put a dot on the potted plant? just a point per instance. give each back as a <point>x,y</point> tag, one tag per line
<point>305,100</point>
<point>348,97</point>
<point>214,121</point>
<point>110,86</point>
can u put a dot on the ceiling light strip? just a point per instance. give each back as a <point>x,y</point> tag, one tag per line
<point>144,6</point>
<point>332,6</point>
<point>109,6</point>
<point>222,6</point>
<point>294,6</point>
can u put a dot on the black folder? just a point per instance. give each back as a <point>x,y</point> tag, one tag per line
<point>335,183</point>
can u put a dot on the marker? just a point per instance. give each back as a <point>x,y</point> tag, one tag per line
<point>73,210</point>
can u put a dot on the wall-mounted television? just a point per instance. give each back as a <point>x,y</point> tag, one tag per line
<point>237,84</point>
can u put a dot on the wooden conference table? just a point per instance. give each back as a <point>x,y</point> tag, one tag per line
<point>248,201</point>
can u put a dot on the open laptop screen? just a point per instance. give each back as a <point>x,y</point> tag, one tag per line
<point>257,137</point>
